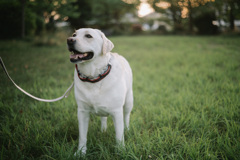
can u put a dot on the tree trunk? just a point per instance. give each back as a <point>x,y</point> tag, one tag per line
<point>190,17</point>
<point>231,17</point>
<point>219,20</point>
<point>174,17</point>
<point>23,2</point>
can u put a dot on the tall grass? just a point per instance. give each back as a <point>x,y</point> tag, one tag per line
<point>186,101</point>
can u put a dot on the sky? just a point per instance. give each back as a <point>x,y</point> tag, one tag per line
<point>144,9</point>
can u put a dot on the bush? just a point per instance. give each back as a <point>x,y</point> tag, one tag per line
<point>10,17</point>
<point>204,24</point>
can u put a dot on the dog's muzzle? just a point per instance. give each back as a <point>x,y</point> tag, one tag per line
<point>77,56</point>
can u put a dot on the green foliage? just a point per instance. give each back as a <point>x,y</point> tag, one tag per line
<point>198,10</point>
<point>10,21</point>
<point>104,14</point>
<point>108,12</point>
<point>186,92</point>
<point>173,11</point>
<point>85,14</point>
<point>203,22</point>
<point>39,15</point>
<point>47,10</point>
<point>30,22</point>
<point>10,17</point>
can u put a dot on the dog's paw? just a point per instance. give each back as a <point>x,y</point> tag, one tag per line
<point>80,153</point>
<point>103,124</point>
<point>103,129</point>
<point>120,149</point>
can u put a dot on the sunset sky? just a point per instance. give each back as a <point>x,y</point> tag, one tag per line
<point>144,9</point>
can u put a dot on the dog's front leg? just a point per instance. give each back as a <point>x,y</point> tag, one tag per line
<point>119,127</point>
<point>83,119</point>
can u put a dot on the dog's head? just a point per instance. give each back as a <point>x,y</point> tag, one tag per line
<point>87,44</point>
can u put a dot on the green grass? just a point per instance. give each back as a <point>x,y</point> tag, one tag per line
<point>186,92</point>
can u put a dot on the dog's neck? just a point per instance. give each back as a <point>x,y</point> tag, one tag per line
<point>94,67</point>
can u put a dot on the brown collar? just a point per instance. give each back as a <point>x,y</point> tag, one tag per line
<point>96,79</point>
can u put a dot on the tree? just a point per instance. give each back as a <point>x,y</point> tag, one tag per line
<point>101,13</point>
<point>109,12</point>
<point>203,22</point>
<point>85,14</point>
<point>233,11</point>
<point>176,7</point>
<point>15,17</point>
<point>227,10</point>
<point>54,10</point>
<point>28,17</point>
<point>190,5</point>
<point>173,10</point>
<point>23,3</point>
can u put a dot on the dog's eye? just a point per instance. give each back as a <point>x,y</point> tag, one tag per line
<point>88,36</point>
<point>74,35</point>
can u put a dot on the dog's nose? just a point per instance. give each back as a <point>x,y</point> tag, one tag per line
<point>71,41</point>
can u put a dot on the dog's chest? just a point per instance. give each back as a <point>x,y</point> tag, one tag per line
<point>97,98</point>
<point>96,101</point>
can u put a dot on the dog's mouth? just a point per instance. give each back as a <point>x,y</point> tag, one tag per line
<point>77,56</point>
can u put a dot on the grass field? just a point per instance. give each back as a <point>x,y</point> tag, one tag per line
<point>186,101</point>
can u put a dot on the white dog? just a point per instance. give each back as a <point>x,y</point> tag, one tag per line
<point>103,83</point>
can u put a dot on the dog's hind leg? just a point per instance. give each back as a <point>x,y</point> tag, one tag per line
<point>103,124</point>
<point>127,109</point>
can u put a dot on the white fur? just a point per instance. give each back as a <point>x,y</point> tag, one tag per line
<point>111,96</point>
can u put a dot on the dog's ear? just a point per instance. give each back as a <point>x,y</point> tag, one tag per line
<point>107,44</point>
